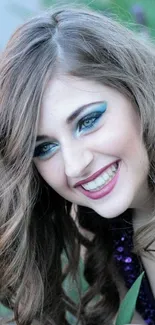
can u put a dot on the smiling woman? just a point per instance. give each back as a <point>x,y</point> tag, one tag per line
<point>109,178</point>
<point>77,134</point>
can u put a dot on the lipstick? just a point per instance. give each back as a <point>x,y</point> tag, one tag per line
<point>105,190</point>
<point>95,175</point>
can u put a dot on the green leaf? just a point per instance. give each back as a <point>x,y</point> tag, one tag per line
<point>127,307</point>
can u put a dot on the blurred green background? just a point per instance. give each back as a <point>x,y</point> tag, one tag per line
<point>132,11</point>
<point>139,15</point>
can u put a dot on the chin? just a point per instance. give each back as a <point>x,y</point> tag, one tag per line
<point>112,211</point>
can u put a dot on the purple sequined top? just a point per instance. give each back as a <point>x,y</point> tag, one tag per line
<point>130,266</point>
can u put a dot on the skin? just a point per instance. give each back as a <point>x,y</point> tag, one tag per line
<point>78,155</point>
<point>116,136</point>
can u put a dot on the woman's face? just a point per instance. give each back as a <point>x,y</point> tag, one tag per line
<point>89,147</point>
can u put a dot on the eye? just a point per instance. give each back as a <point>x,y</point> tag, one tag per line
<point>89,121</point>
<point>45,150</point>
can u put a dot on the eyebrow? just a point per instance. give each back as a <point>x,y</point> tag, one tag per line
<point>76,113</point>
<point>72,117</point>
<point>41,137</point>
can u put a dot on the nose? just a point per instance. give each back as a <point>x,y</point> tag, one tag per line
<point>76,159</point>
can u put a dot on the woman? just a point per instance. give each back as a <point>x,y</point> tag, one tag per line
<point>77,168</point>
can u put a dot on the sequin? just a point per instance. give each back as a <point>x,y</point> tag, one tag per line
<point>120,249</point>
<point>130,266</point>
<point>128,260</point>
<point>119,258</point>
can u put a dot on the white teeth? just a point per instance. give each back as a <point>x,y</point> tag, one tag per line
<point>88,187</point>
<point>91,186</point>
<point>101,180</point>
<point>110,172</point>
<point>105,176</point>
<point>113,167</point>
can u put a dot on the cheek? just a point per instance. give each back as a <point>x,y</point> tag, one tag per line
<point>127,144</point>
<point>51,172</point>
<point>121,132</point>
<point>117,141</point>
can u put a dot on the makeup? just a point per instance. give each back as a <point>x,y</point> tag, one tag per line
<point>106,188</point>
<point>90,121</point>
<point>45,150</point>
<point>85,125</point>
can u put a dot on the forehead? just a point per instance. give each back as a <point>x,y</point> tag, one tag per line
<point>65,94</point>
<point>71,91</point>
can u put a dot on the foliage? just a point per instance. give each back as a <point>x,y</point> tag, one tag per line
<point>126,310</point>
<point>124,9</point>
<point>128,305</point>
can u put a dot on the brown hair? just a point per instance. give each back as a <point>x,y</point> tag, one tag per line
<point>34,219</point>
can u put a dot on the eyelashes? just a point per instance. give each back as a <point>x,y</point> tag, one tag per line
<point>90,121</point>
<point>45,150</point>
<point>85,125</point>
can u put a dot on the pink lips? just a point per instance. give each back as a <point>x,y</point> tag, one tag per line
<point>99,172</point>
<point>103,191</point>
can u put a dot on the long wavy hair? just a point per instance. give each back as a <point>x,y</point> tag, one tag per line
<point>36,226</point>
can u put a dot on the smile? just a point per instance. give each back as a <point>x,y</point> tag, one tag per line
<point>101,180</point>
<point>103,184</point>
